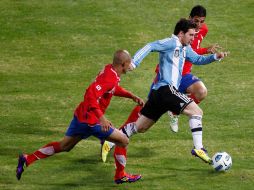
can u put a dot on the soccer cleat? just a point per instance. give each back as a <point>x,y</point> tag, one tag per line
<point>105,149</point>
<point>202,154</point>
<point>128,178</point>
<point>173,122</point>
<point>20,167</point>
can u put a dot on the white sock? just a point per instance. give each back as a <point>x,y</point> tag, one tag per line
<point>130,129</point>
<point>111,144</point>
<point>195,123</point>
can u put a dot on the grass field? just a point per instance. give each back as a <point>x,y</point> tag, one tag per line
<point>51,50</point>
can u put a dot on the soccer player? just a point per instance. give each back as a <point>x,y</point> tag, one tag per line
<point>189,84</point>
<point>165,95</point>
<point>89,116</point>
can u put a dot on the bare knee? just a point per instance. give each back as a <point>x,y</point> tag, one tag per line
<point>193,109</point>
<point>142,130</point>
<point>196,110</point>
<point>201,94</point>
<point>124,141</point>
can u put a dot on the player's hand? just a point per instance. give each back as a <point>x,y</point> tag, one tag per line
<point>138,100</point>
<point>221,55</point>
<point>106,124</point>
<point>213,48</point>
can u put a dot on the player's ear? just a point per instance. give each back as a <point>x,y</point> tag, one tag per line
<point>181,34</point>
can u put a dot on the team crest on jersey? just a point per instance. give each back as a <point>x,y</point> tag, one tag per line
<point>176,53</point>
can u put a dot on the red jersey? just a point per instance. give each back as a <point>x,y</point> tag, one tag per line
<point>98,95</point>
<point>196,47</point>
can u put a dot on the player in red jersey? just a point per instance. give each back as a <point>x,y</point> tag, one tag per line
<point>89,116</point>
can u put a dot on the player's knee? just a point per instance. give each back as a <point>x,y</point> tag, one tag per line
<point>124,141</point>
<point>197,111</point>
<point>142,130</point>
<point>201,94</point>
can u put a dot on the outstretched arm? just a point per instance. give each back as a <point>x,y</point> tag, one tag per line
<point>121,92</point>
<point>202,60</point>
<point>157,46</point>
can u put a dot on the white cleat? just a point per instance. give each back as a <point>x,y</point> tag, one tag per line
<point>173,122</point>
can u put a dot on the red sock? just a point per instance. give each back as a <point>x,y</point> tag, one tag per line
<point>120,153</point>
<point>134,115</point>
<point>120,156</point>
<point>44,152</point>
<point>194,98</point>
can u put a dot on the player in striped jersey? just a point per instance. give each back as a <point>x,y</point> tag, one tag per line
<point>189,84</point>
<point>173,51</point>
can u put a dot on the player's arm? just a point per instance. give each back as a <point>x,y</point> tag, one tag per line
<point>157,46</point>
<point>196,59</point>
<point>210,49</point>
<point>121,92</point>
<point>105,123</point>
<point>93,94</point>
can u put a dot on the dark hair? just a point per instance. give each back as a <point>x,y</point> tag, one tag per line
<point>198,10</point>
<point>184,25</point>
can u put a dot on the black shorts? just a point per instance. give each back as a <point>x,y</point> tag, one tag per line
<point>166,98</point>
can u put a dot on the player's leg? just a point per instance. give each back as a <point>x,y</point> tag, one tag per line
<point>72,137</point>
<point>66,144</point>
<point>121,141</point>
<point>197,91</point>
<point>150,113</point>
<point>107,145</point>
<point>120,153</point>
<point>180,103</point>
<point>186,82</point>
<point>194,112</point>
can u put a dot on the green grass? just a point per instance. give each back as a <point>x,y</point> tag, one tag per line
<point>52,50</point>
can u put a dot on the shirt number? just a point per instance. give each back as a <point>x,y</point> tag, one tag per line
<point>98,87</point>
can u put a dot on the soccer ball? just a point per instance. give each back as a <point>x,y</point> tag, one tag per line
<point>221,161</point>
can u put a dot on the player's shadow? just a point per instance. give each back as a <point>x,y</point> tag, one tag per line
<point>97,175</point>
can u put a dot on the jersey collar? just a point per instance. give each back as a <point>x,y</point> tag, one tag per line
<point>178,43</point>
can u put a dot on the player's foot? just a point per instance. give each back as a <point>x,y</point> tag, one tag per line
<point>105,149</point>
<point>128,178</point>
<point>173,122</point>
<point>20,167</point>
<point>202,154</point>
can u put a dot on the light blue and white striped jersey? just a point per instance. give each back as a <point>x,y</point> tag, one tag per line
<point>172,55</point>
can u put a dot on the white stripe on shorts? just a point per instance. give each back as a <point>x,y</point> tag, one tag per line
<point>179,94</point>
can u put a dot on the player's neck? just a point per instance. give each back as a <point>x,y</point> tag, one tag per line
<point>117,69</point>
